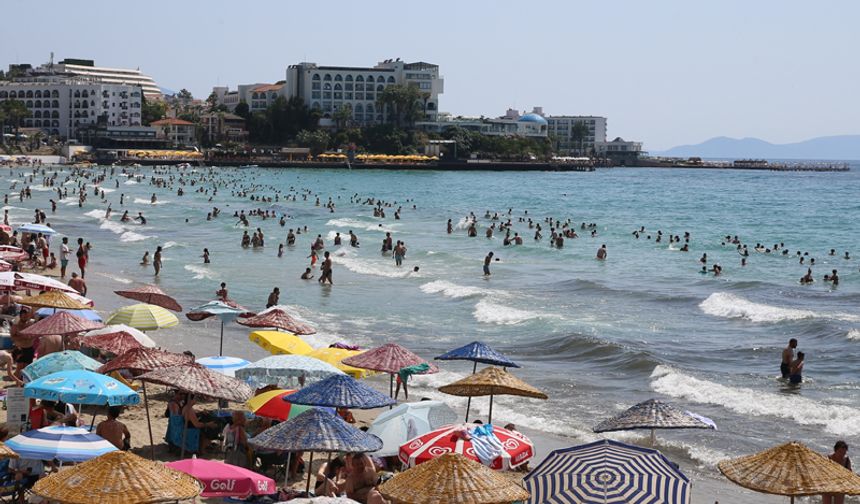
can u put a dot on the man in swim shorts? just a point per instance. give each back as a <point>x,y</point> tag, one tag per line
<point>787,358</point>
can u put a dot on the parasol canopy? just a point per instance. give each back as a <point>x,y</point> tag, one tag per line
<point>87,314</point>
<point>53,299</point>
<point>491,381</point>
<point>316,430</point>
<point>196,379</point>
<point>66,444</point>
<point>62,323</point>
<point>493,446</point>
<point>224,310</point>
<point>143,360</point>
<point>272,404</point>
<point>388,358</point>
<point>10,280</point>
<point>59,361</point>
<point>116,343</point>
<point>609,472</point>
<point>118,477</point>
<point>452,479</point>
<point>280,343</point>
<point>146,317</point>
<point>478,352</point>
<point>6,452</point>
<point>81,387</point>
<point>335,357</point>
<point>140,336</point>
<point>36,229</point>
<point>407,421</point>
<point>223,364</point>
<point>790,469</point>
<point>286,370</point>
<point>341,391</point>
<point>151,294</point>
<point>225,480</point>
<point>277,317</point>
<point>653,414</point>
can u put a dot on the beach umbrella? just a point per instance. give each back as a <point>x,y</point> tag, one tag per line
<point>6,452</point>
<point>116,343</point>
<point>225,480</point>
<point>452,479</point>
<point>315,430</point>
<point>14,280</point>
<point>280,343</point>
<point>653,414</point>
<point>792,470</point>
<point>112,329</point>
<point>62,323</point>
<point>53,299</point>
<point>340,391</point>
<point>150,294</point>
<point>59,361</point>
<point>278,318</point>
<point>491,381</point>
<point>323,500</point>
<point>145,317</point>
<point>272,404</point>
<point>477,352</point>
<point>14,256</point>
<point>389,358</point>
<point>608,472</point>
<point>225,312</point>
<point>36,229</point>
<point>90,315</point>
<point>222,364</point>
<point>81,387</point>
<point>495,447</point>
<point>407,421</point>
<point>81,299</point>
<point>118,477</point>
<point>5,266</point>
<point>284,370</point>
<point>335,357</point>
<point>66,444</point>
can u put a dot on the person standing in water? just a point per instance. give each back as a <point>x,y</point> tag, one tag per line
<point>840,456</point>
<point>601,252</point>
<point>156,260</point>
<point>787,358</point>
<point>487,261</point>
<point>325,269</point>
<point>796,376</point>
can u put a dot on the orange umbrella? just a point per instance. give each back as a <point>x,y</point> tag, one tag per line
<point>150,294</point>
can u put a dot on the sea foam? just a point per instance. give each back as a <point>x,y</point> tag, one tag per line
<point>357,224</point>
<point>201,272</point>
<point>493,313</point>
<point>454,291</point>
<point>724,304</point>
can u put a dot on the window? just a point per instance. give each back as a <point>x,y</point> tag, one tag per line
<point>327,86</point>
<point>348,78</point>
<point>316,105</point>
<point>327,77</point>
<point>38,94</point>
<point>348,86</point>
<point>37,114</point>
<point>326,95</point>
<point>369,78</point>
<point>359,96</point>
<point>359,79</point>
<point>316,95</point>
<point>338,78</point>
<point>380,79</point>
<point>369,96</point>
<point>347,96</point>
<point>29,94</point>
<point>338,87</point>
<point>30,103</point>
<point>424,85</point>
<point>359,109</point>
<point>315,85</point>
<point>316,77</point>
<point>338,95</point>
<point>379,88</point>
<point>391,79</point>
<point>13,94</point>
<point>55,94</point>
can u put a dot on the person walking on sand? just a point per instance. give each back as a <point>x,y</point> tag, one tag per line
<point>325,270</point>
<point>487,261</point>
<point>840,456</point>
<point>787,358</point>
<point>83,256</point>
<point>156,260</point>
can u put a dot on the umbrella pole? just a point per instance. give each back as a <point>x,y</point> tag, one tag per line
<point>287,470</point>
<point>391,387</point>
<point>490,419</point>
<point>469,400</point>
<point>653,438</point>
<point>93,422</point>
<point>184,430</point>
<point>309,469</point>
<point>148,422</point>
<point>221,346</point>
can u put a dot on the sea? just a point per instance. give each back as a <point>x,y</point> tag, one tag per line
<point>596,336</point>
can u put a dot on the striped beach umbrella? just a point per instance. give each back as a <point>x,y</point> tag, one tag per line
<point>223,364</point>
<point>145,317</point>
<point>66,444</point>
<point>607,472</point>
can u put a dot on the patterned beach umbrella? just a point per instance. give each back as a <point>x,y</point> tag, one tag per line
<point>224,310</point>
<point>36,229</point>
<point>653,414</point>
<point>84,314</point>
<point>145,317</point>
<point>608,472</point>
<point>81,387</point>
<point>388,358</point>
<point>501,449</point>
<point>335,357</point>
<point>116,343</point>
<point>150,294</point>
<point>118,477</point>
<point>66,444</point>
<point>59,361</point>
<point>6,452</point>
<point>143,360</point>
<point>286,370</point>
<point>53,299</point>
<point>225,480</point>
<point>792,470</point>
<point>341,391</point>
<point>223,364</point>
<point>112,329</point>
<point>280,343</point>
<point>196,379</point>
<point>452,479</point>
<point>407,421</point>
<point>272,404</point>
<point>478,352</point>
<point>278,318</point>
<point>5,266</point>
<point>62,323</point>
<point>10,280</point>
<point>492,381</point>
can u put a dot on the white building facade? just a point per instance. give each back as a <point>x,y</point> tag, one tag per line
<point>568,141</point>
<point>106,75</point>
<point>258,96</point>
<point>329,88</point>
<point>60,106</point>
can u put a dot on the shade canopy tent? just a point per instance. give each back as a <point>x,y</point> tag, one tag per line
<point>225,480</point>
<point>225,313</point>
<point>501,449</point>
<point>118,477</point>
<point>608,472</point>
<point>280,343</point>
<point>66,444</point>
<point>492,381</point>
<point>59,361</point>
<point>286,371</point>
<point>407,421</point>
<point>140,336</point>
<point>151,294</point>
<point>653,414</point>
<point>452,479</point>
<point>341,391</point>
<point>145,317</point>
<point>81,387</point>
<point>792,470</point>
<point>277,317</point>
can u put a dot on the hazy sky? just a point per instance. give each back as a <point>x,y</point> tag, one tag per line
<point>664,72</point>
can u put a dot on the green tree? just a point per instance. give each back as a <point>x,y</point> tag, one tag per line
<point>578,133</point>
<point>404,103</point>
<point>15,111</point>
<point>212,104</point>
<point>342,116</point>
<point>316,140</point>
<point>243,110</point>
<point>151,111</point>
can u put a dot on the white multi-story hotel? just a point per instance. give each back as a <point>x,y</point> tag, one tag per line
<point>328,88</point>
<point>87,68</point>
<point>258,96</point>
<point>563,129</point>
<point>61,106</point>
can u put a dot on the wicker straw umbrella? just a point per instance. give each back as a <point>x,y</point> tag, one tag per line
<point>6,452</point>
<point>53,299</point>
<point>492,381</point>
<point>654,414</point>
<point>151,294</point>
<point>790,469</point>
<point>118,477</point>
<point>389,358</point>
<point>278,318</point>
<point>452,479</point>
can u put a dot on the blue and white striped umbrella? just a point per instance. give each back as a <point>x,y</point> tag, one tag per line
<point>66,444</point>
<point>223,364</point>
<point>607,472</point>
<point>36,228</point>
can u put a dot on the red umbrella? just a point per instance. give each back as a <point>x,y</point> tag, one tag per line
<point>116,343</point>
<point>62,323</point>
<point>278,318</point>
<point>389,358</point>
<point>143,360</point>
<point>151,294</point>
<point>516,449</point>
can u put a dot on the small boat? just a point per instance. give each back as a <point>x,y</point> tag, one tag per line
<point>245,167</point>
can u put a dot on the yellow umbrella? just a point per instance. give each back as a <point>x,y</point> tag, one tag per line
<point>146,317</point>
<point>335,357</point>
<point>278,343</point>
<point>54,299</point>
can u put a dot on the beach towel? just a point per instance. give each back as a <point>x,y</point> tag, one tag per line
<point>487,446</point>
<point>408,371</point>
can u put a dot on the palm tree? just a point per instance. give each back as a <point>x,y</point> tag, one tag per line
<point>342,116</point>
<point>15,111</point>
<point>578,133</point>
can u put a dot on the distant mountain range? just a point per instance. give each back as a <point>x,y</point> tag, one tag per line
<point>843,147</point>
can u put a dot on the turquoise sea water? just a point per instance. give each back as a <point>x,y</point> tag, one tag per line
<point>596,336</point>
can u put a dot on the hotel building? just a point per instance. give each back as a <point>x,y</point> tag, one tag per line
<point>87,69</point>
<point>567,141</point>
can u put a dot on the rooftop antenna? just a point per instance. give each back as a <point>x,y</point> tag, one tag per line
<point>51,61</point>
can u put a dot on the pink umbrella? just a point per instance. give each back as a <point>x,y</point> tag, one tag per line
<point>5,266</point>
<point>278,318</point>
<point>116,343</point>
<point>151,294</point>
<point>225,480</point>
<point>62,323</point>
<point>389,358</point>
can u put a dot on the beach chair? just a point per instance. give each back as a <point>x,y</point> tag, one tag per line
<point>173,436</point>
<point>7,483</point>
